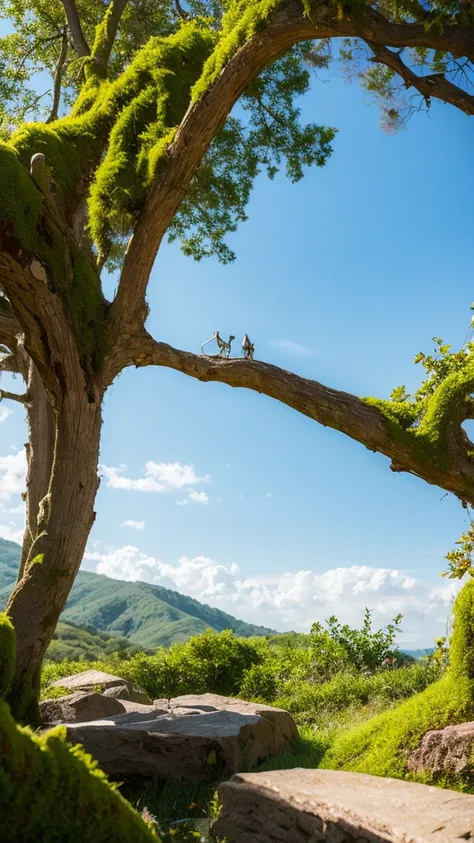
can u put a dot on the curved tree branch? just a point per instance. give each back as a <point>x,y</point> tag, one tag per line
<point>361,420</point>
<point>78,41</point>
<point>204,118</point>
<point>433,85</point>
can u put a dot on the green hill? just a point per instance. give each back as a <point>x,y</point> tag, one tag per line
<point>147,615</point>
<point>76,644</point>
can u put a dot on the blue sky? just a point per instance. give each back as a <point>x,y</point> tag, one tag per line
<point>343,277</point>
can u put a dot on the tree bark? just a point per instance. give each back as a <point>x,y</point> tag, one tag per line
<point>64,520</point>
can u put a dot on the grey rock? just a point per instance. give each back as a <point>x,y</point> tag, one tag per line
<point>79,708</point>
<point>448,750</point>
<point>193,739</point>
<point>89,679</point>
<point>128,692</point>
<point>307,806</point>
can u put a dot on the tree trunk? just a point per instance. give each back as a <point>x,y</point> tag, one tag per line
<point>65,517</point>
<point>39,455</point>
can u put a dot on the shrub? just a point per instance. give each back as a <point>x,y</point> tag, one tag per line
<point>381,746</point>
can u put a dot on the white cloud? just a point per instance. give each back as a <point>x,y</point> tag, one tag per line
<point>268,495</point>
<point>10,533</point>
<point>290,347</point>
<point>198,497</point>
<point>135,525</point>
<point>194,497</point>
<point>17,510</point>
<point>294,600</point>
<point>158,477</point>
<point>4,413</point>
<point>12,474</point>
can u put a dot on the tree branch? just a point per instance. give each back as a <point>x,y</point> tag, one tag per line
<point>12,396</point>
<point>103,47</point>
<point>78,41</point>
<point>434,85</point>
<point>57,79</point>
<point>204,118</point>
<point>359,419</point>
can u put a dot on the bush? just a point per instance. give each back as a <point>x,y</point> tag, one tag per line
<point>212,662</point>
<point>381,746</point>
<point>311,704</point>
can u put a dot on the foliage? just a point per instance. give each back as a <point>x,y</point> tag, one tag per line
<point>381,746</point>
<point>74,644</point>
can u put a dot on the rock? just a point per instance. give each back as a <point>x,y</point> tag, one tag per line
<point>446,750</point>
<point>186,739</point>
<point>79,708</point>
<point>128,692</point>
<point>305,806</point>
<point>90,679</point>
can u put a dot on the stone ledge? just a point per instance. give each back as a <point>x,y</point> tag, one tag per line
<point>308,806</point>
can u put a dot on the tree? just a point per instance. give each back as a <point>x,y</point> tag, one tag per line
<point>137,140</point>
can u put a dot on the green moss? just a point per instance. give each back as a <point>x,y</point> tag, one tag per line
<point>382,745</point>
<point>159,82</point>
<point>38,560</point>
<point>399,416</point>
<point>56,793</point>
<point>20,199</point>
<point>7,653</point>
<point>461,650</point>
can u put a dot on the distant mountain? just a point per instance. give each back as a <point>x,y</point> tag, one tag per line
<point>420,654</point>
<point>147,615</point>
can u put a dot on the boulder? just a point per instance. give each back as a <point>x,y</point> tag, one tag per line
<point>305,806</point>
<point>79,708</point>
<point>127,692</point>
<point>190,739</point>
<point>444,751</point>
<point>89,680</point>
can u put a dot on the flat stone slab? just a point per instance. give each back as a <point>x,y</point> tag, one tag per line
<point>308,806</point>
<point>185,739</point>
<point>79,708</point>
<point>446,750</point>
<point>89,679</point>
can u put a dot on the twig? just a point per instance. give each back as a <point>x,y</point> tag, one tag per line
<point>57,80</point>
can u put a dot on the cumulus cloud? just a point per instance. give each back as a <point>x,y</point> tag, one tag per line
<point>11,533</point>
<point>294,600</point>
<point>4,413</point>
<point>194,497</point>
<point>158,477</point>
<point>290,347</point>
<point>135,525</point>
<point>12,474</point>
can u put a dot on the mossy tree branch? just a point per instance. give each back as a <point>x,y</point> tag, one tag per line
<point>222,85</point>
<point>439,460</point>
<point>107,32</point>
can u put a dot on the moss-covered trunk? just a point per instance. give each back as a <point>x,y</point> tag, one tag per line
<point>64,520</point>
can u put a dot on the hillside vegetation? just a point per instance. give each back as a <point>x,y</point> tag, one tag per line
<point>148,615</point>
